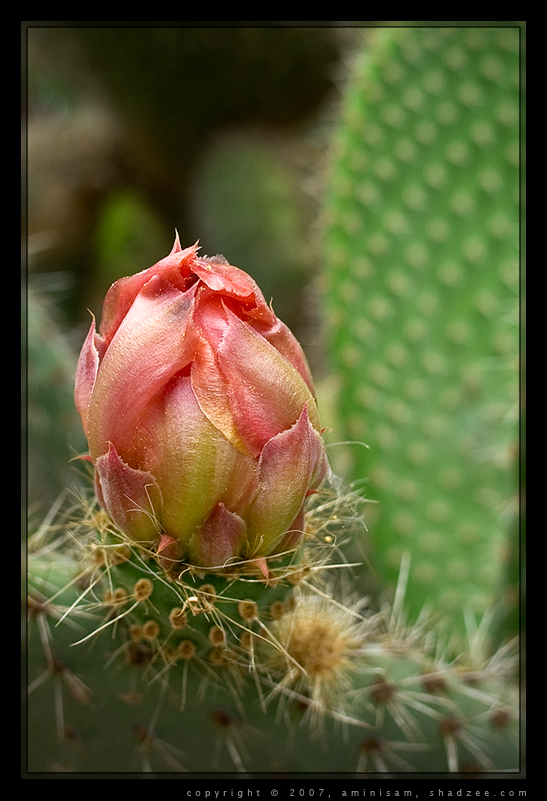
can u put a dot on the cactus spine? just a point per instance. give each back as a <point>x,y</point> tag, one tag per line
<point>229,673</point>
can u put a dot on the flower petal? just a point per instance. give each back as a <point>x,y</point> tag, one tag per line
<point>225,280</point>
<point>244,385</point>
<point>175,268</point>
<point>131,497</point>
<point>194,463</point>
<point>86,373</point>
<point>169,552</point>
<point>219,539</point>
<point>289,465</point>
<point>284,341</point>
<point>294,533</point>
<point>152,344</point>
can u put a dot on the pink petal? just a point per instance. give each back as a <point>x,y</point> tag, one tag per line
<point>152,344</point>
<point>175,268</point>
<point>231,282</point>
<point>262,565</point>
<point>194,464</point>
<point>86,373</point>
<point>131,497</point>
<point>211,391</point>
<point>284,341</point>
<point>225,279</point>
<point>219,539</point>
<point>244,386</point>
<point>289,465</point>
<point>169,552</point>
<point>293,535</point>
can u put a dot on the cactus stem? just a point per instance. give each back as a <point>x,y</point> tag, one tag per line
<point>304,648</point>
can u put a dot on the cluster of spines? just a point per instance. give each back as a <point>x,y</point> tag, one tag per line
<point>293,654</point>
<point>184,611</point>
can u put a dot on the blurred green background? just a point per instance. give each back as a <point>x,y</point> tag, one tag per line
<point>133,132</point>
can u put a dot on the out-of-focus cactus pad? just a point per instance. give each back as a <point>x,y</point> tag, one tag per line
<point>422,283</point>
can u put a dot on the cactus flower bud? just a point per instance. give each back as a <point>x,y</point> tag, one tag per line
<point>199,412</point>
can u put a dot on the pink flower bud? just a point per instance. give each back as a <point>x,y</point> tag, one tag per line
<point>200,415</point>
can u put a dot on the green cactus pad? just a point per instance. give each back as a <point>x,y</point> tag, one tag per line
<point>245,676</point>
<point>421,285</point>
